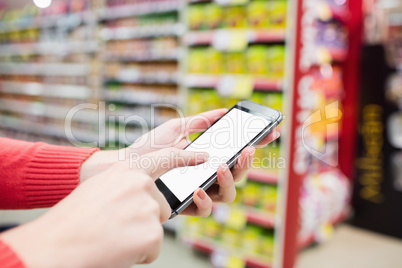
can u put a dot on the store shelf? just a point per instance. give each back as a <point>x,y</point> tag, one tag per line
<point>253,215</point>
<point>64,20</point>
<point>212,81</point>
<point>45,69</point>
<point>145,8</point>
<point>147,31</point>
<point>46,90</point>
<point>140,97</point>
<point>199,1</point>
<point>142,79</point>
<point>261,218</point>
<point>252,36</point>
<point>209,246</point>
<point>264,176</point>
<point>27,126</point>
<point>169,57</point>
<point>137,117</point>
<point>49,48</point>
<point>47,110</point>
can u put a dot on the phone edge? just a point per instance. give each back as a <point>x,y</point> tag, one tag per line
<point>231,164</point>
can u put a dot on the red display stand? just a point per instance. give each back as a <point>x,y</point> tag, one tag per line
<point>297,164</point>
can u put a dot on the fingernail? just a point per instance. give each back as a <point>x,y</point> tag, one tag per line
<point>201,194</point>
<point>206,156</point>
<point>224,167</point>
<point>277,134</point>
<point>251,154</point>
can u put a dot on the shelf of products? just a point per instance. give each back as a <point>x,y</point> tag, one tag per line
<point>46,110</point>
<point>46,69</point>
<point>127,55</point>
<point>48,48</point>
<point>263,176</point>
<point>141,76</point>
<point>210,81</point>
<point>124,33</point>
<point>252,246</point>
<point>320,191</point>
<point>48,66</point>
<point>35,21</point>
<point>27,126</point>
<point>224,36</point>
<point>45,90</point>
<point>211,248</point>
<point>232,53</point>
<point>118,11</point>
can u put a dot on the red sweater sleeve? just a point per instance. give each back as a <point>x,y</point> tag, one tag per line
<point>34,175</point>
<point>8,258</point>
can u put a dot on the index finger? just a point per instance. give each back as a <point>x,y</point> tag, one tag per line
<point>157,163</point>
<point>273,135</point>
<point>202,121</point>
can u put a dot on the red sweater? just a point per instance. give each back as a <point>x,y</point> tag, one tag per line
<point>35,175</point>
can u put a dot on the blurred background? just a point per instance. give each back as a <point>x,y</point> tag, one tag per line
<point>327,194</point>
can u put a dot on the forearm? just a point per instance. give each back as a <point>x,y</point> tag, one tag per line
<point>103,160</point>
<point>36,175</point>
<point>8,258</point>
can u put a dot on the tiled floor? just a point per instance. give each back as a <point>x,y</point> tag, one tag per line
<point>349,248</point>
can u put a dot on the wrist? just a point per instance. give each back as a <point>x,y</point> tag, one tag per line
<point>98,162</point>
<point>30,249</point>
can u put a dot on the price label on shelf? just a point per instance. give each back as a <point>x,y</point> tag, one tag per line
<point>223,258</point>
<point>230,40</point>
<point>235,262</point>
<point>234,217</point>
<point>236,86</point>
<point>231,2</point>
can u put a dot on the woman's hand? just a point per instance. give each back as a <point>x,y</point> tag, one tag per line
<point>174,133</point>
<point>112,220</point>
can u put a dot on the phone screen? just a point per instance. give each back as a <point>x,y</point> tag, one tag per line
<point>221,141</point>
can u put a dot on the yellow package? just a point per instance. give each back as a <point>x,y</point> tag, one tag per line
<point>214,61</point>
<point>257,60</point>
<point>235,17</point>
<point>276,61</point>
<point>195,17</point>
<point>277,14</point>
<point>196,60</point>
<point>258,14</point>
<point>214,15</point>
<point>235,63</point>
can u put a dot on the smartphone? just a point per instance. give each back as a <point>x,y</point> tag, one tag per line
<point>245,124</point>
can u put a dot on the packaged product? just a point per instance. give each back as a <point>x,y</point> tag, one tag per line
<point>277,13</point>
<point>195,17</point>
<point>258,14</point>
<point>257,60</point>
<point>235,17</point>
<point>214,61</point>
<point>213,16</point>
<point>235,63</point>
<point>276,61</point>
